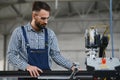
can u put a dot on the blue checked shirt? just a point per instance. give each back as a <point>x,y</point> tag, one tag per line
<point>17,53</point>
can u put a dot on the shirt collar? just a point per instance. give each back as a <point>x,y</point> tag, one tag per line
<point>30,28</point>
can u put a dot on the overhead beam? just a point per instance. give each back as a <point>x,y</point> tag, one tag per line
<point>21,1</point>
<point>90,8</point>
<point>16,10</point>
<point>69,7</point>
<point>95,5</point>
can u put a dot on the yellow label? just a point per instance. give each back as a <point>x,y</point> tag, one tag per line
<point>103,66</point>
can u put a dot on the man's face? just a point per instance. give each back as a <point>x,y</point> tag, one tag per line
<point>41,19</point>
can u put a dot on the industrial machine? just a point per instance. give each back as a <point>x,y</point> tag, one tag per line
<point>96,43</point>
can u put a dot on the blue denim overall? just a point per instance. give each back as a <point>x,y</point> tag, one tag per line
<point>37,57</point>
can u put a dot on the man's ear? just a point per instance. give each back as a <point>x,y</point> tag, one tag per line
<point>34,15</point>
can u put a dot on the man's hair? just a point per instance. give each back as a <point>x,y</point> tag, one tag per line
<point>38,5</point>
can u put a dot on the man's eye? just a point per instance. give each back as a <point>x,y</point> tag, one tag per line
<point>43,18</point>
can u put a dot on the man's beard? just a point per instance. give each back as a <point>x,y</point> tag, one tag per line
<point>40,26</point>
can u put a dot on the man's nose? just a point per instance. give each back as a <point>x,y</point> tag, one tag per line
<point>46,21</point>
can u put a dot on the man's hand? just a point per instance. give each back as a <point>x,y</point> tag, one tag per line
<point>34,71</point>
<point>75,67</point>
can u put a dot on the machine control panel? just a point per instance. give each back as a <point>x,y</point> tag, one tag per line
<point>102,64</point>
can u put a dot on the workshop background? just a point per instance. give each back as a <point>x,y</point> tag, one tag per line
<point>69,19</point>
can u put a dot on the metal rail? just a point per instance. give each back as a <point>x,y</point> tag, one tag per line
<point>64,74</point>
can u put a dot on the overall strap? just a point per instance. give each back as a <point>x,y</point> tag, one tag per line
<point>46,38</point>
<point>26,40</point>
<point>25,36</point>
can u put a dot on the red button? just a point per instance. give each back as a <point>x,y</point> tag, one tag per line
<point>103,60</point>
